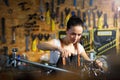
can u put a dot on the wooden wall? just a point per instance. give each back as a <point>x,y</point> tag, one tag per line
<point>15,16</point>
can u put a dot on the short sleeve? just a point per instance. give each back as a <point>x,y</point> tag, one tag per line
<point>54,55</point>
<point>81,48</point>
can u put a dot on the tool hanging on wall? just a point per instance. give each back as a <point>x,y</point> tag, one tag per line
<point>57,14</point>
<point>62,1</point>
<point>91,2</point>
<point>79,13</point>
<point>89,18</point>
<point>13,35</point>
<point>32,16</point>
<point>58,2</point>
<point>13,28</point>
<point>113,6</point>
<point>47,13</point>
<point>22,6</point>
<point>34,42</point>
<point>115,19</point>
<point>30,24</point>
<point>99,22</point>
<point>105,25</point>
<point>73,13</point>
<point>94,20</point>
<point>6,3</point>
<point>53,15</point>
<point>27,40</point>
<point>68,14</point>
<point>46,36</point>
<point>83,4</point>
<point>3,27</point>
<point>84,21</point>
<point>40,37</point>
<point>75,3</point>
<point>42,17</point>
<point>62,20</point>
<point>58,11</point>
<point>53,22</point>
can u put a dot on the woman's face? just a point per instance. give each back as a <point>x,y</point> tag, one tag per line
<point>74,34</point>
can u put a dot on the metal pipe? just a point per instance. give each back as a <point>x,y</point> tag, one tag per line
<point>46,66</point>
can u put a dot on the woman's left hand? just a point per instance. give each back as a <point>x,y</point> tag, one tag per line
<point>99,63</point>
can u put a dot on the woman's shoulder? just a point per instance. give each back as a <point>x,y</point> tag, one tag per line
<point>80,45</point>
<point>57,42</point>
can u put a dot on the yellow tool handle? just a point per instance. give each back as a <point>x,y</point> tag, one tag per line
<point>48,17</point>
<point>67,18</point>
<point>34,47</point>
<point>100,23</point>
<point>53,25</point>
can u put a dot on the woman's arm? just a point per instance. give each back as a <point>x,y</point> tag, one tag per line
<point>49,45</point>
<point>85,56</point>
<point>82,52</point>
<point>52,46</point>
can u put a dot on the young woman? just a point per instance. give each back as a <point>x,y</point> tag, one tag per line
<point>67,50</point>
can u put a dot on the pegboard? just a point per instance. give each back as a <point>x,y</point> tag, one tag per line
<point>25,17</point>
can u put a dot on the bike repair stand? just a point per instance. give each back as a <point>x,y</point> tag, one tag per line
<point>92,57</point>
<point>14,62</point>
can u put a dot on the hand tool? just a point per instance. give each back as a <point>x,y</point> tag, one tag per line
<point>89,18</point>
<point>99,22</point>
<point>115,18</point>
<point>13,35</point>
<point>34,42</point>
<point>46,36</point>
<point>75,3</point>
<point>67,13</point>
<point>57,14</point>
<point>3,27</point>
<point>47,13</point>
<point>94,20</point>
<point>62,1</point>
<point>53,15</point>
<point>27,40</point>
<point>62,21</point>
<point>58,2</point>
<point>32,16</point>
<point>83,4</point>
<point>79,13</point>
<point>91,2</point>
<point>22,5</point>
<point>84,20</point>
<point>105,25</point>
<point>113,6</point>
<point>42,17</point>
<point>73,13</point>
<point>40,36</point>
<point>6,2</point>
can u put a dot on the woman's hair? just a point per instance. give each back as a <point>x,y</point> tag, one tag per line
<point>74,21</point>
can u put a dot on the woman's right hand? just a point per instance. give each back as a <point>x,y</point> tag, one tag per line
<point>64,52</point>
